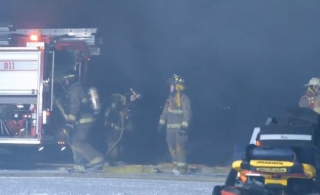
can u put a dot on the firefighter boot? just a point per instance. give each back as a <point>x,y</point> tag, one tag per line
<point>176,171</point>
<point>182,169</point>
<point>106,163</point>
<point>175,168</point>
<point>113,154</point>
<point>95,164</point>
<point>77,169</point>
<point>179,170</point>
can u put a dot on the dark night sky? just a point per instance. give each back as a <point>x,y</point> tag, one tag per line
<point>252,56</point>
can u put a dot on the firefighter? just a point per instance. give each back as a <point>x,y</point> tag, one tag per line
<point>311,99</point>
<point>118,121</point>
<point>79,121</point>
<point>177,115</point>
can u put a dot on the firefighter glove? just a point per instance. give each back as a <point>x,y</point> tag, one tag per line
<point>108,124</point>
<point>183,131</point>
<point>161,130</point>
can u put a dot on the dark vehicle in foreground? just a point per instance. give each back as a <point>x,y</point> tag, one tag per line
<point>281,159</point>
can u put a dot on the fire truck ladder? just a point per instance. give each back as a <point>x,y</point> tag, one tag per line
<point>88,35</point>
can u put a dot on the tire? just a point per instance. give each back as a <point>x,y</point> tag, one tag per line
<point>228,190</point>
<point>217,190</point>
<point>231,178</point>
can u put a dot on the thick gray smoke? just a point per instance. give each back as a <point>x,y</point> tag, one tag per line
<point>246,51</point>
<point>251,56</point>
<point>223,48</point>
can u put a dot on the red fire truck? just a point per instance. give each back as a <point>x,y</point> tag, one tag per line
<point>32,63</point>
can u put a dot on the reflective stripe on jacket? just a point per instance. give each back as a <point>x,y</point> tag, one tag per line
<point>307,101</point>
<point>118,109</point>
<point>316,107</point>
<point>174,116</point>
<point>77,98</point>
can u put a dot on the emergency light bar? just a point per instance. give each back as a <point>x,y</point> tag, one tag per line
<point>78,32</point>
<point>5,27</point>
<point>5,36</point>
<point>88,35</point>
<point>34,37</point>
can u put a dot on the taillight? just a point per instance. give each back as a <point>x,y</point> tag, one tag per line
<point>243,177</point>
<point>45,116</point>
<point>258,143</point>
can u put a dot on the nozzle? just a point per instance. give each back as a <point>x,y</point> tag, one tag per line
<point>138,96</point>
<point>133,92</point>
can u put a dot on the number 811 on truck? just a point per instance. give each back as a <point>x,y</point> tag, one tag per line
<point>32,62</point>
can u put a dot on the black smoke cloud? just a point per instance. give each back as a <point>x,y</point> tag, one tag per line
<point>242,60</point>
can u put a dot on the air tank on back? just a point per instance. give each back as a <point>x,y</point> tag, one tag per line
<point>94,97</point>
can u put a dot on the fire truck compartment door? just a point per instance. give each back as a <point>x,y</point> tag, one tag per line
<point>20,72</point>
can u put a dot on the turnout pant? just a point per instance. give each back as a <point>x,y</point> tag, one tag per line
<point>176,144</point>
<point>82,151</point>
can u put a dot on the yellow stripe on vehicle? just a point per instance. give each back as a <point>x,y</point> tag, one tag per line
<point>267,163</point>
<point>236,165</point>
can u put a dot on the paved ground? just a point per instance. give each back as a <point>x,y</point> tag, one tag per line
<point>100,186</point>
<point>48,179</point>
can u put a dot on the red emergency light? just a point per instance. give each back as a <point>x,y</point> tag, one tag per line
<point>34,37</point>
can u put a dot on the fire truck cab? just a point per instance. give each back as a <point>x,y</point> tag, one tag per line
<point>32,64</point>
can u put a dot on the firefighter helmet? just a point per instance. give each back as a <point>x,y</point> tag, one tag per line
<point>176,79</point>
<point>313,82</point>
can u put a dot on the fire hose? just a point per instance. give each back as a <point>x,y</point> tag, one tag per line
<point>114,145</point>
<point>109,149</point>
<point>120,137</point>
